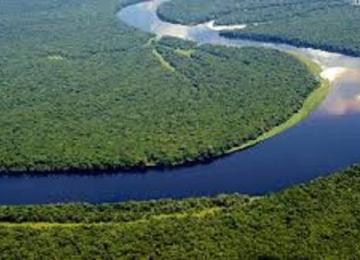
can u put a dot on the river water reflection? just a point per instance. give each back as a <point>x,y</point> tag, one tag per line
<point>326,141</point>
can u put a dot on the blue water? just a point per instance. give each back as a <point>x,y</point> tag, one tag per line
<point>326,141</point>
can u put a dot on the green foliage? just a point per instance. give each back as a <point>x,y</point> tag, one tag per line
<point>336,29</point>
<point>81,90</point>
<point>109,213</point>
<point>313,221</point>
<point>238,12</point>
<point>328,25</point>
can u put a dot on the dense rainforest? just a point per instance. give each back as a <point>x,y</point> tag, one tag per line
<point>329,25</point>
<point>319,220</point>
<point>81,90</point>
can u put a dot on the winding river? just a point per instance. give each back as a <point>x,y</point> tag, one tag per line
<point>326,141</point>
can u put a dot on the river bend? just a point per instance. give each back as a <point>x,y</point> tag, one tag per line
<point>326,141</point>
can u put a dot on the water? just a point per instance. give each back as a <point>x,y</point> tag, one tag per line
<point>326,141</point>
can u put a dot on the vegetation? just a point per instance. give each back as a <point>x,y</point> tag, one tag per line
<point>81,90</point>
<point>238,12</point>
<point>311,102</point>
<point>314,221</point>
<point>328,25</point>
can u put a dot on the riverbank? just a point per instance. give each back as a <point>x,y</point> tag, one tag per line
<point>316,220</point>
<point>279,39</point>
<point>309,105</point>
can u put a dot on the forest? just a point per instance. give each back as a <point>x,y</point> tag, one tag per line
<point>81,90</point>
<point>318,220</point>
<point>238,12</point>
<point>327,25</point>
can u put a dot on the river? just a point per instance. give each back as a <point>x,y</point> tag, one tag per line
<point>326,141</point>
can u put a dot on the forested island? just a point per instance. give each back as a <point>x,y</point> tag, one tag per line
<point>328,25</point>
<point>314,221</point>
<point>81,90</point>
